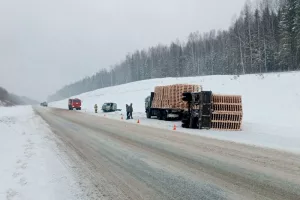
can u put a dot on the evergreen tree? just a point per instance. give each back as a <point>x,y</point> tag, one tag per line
<point>265,40</point>
<point>288,35</point>
<point>297,33</point>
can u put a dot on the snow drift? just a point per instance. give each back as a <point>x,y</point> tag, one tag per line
<point>271,104</point>
<point>32,167</point>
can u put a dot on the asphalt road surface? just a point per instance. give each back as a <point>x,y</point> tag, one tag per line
<point>131,161</point>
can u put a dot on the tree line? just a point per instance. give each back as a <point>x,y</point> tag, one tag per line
<point>264,38</point>
<point>9,99</point>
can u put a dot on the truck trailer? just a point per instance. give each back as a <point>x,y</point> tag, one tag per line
<point>161,113</point>
<point>166,102</point>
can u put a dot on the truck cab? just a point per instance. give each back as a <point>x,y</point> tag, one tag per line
<point>148,105</point>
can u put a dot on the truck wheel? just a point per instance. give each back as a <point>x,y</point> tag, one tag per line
<point>184,125</point>
<point>79,108</point>
<point>70,108</point>
<point>148,114</point>
<point>195,124</point>
<point>159,115</point>
<point>164,115</point>
<point>185,121</point>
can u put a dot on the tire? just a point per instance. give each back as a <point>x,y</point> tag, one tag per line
<point>159,115</point>
<point>149,114</point>
<point>70,108</point>
<point>195,124</point>
<point>164,115</point>
<point>184,125</point>
<point>185,115</point>
<point>79,108</point>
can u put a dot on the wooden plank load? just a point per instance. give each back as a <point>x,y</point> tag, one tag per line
<point>227,112</point>
<point>170,96</point>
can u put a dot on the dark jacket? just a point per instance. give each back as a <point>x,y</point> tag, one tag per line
<point>127,108</point>
<point>130,108</point>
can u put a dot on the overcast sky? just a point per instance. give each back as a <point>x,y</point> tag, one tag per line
<point>45,44</point>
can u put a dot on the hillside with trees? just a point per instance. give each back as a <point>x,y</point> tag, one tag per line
<point>264,38</point>
<point>8,99</point>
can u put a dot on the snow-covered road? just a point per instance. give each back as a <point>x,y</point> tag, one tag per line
<point>32,167</point>
<point>79,156</point>
<point>131,161</point>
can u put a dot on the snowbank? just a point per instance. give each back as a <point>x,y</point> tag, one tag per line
<point>31,165</point>
<point>271,104</point>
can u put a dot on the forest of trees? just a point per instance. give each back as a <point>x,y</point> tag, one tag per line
<point>264,38</point>
<point>9,99</point>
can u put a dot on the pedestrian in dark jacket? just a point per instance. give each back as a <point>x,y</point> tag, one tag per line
<point>127,112</point>
<point>96,108</point>
<point>130,111</point>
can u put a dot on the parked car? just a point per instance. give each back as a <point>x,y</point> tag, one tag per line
<point>110,107</point>
<point>45,104</point>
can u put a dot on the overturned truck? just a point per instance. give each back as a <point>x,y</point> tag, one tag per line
<point>207,110</point>
<point>196,109</point>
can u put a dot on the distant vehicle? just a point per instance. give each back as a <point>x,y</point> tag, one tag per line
<point>45,104</point>
<point>110,107</point>
<point>74,103</point>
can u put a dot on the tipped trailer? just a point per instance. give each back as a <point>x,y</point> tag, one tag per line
<point>209,111</point>
<point>199,112</point>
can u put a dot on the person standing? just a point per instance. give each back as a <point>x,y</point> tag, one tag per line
<point>130,111</point>
<point>127,112</point>
<point>96,108</point>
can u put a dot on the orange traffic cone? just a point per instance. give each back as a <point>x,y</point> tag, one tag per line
<point>174,127</point>
<point>138,121</point>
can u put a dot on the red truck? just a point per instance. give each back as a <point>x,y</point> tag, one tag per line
<point>74,103</point>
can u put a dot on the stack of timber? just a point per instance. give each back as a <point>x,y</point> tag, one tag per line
<point>170,96</point>
<point>227,112</point>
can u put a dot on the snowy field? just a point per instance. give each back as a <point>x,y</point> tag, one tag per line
<point>271,104</point>
<point>32,167</point>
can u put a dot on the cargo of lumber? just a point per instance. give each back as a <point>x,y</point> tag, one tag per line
<point>227,112</point>
<point>171,96</point>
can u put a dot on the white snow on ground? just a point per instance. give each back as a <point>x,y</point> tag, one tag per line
<point>31,166</point>
<point>271,104</point>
